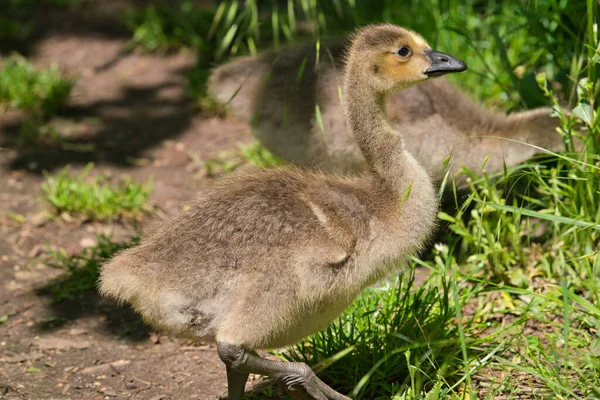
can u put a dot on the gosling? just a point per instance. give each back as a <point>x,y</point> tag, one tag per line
<point>271,256</point>
<point>436,119</point>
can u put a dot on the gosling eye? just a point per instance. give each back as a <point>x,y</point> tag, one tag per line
<point>404,52</point>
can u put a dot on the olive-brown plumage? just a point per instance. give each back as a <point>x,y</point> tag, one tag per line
<point>292,101</point>
<point>268,257</point>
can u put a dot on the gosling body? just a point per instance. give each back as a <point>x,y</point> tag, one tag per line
<point>270,256</point>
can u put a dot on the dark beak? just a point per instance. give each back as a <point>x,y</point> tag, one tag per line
<point>442,64</point>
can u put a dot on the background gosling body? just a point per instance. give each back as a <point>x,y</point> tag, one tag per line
<point>435,118</point>
<point>268,257</point>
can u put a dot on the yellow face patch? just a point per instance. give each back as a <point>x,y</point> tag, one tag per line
<point>404,69</point>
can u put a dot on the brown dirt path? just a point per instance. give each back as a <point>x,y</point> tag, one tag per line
<point>132,108</point>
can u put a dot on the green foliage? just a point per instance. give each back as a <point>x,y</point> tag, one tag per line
<point>96,197</point>
<point>13,31</point>
<point>504,43</point>
<point>175,25</point>
<point>255,154</point>
<point>33,131</point>
<point>25,87</point>
<point>83,269</point>
<point>551,227</point>
<point>168,25</point>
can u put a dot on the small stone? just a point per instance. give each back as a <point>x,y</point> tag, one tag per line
<point>88,242</point>
<point>66,216</point>
<point>39,219</point>
<point>108,392</point>
<point>66,389</point>
<point>154,338</point>
<point>77,332</point>
<point>35,251</point>
<point>131,385</point>
<point>27,275</point>
<point>104,368</point>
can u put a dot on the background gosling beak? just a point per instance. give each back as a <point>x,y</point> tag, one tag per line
<point>442,64</point>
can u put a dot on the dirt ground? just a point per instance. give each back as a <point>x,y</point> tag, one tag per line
<point>132,108</point>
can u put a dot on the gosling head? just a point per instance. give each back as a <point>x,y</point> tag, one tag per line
<point>390,58</point>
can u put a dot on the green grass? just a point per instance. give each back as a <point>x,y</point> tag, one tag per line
<point>34,131</point>
<point>42,92</point>
<point>520,264</point>
<point>96,197</point>
<point>168,25</point>
<point>521,253</point>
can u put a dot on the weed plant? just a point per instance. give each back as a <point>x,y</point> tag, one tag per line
<point>25,87</point>
<point>96,197</point>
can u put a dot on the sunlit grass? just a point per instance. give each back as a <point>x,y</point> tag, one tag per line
<point>96,197</point>
<point>41,91</point>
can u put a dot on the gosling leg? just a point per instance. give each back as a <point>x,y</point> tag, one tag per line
<point>236,383</point>
<point>298,378</point>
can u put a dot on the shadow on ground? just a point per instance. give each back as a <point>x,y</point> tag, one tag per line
<point>116,129</point>
<point>120,321</point>
<point>27,22</point>
<point>73,295</point>
<point>122,129</point>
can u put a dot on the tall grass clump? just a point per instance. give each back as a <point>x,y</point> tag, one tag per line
<point>557,217</point>
<point>40,91</point>
<point>96,197</point>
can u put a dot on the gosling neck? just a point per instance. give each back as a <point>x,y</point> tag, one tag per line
<point>379,143</point>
